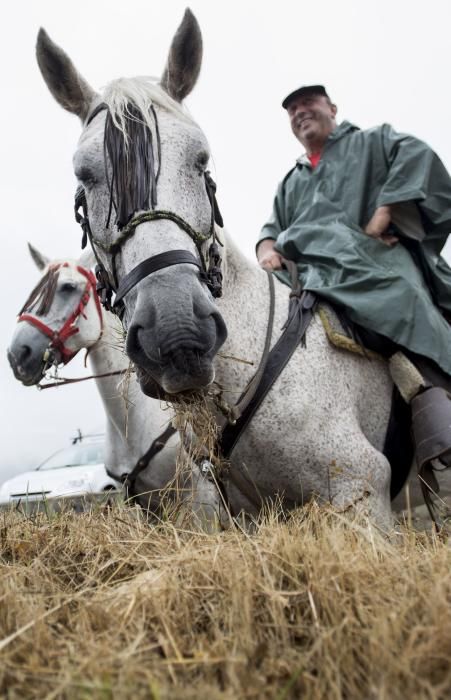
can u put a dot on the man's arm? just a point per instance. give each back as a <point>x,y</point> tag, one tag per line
<point>378,225</point>
<point>417,191</point>
<point>416,175</point>
<point>268,258</point>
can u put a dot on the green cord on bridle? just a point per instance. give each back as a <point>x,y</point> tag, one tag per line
<point>146,216</point>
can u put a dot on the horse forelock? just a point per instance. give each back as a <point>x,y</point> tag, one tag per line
<point>141,93</point>
<point>132,143</point>
<point>42,296</point>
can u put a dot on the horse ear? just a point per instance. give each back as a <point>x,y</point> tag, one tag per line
<point>184,59</point>
<point>65,83</point>
<point>87,259</point>
<point>40,260</point>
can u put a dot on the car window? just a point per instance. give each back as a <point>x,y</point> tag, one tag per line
<point>75,456</point>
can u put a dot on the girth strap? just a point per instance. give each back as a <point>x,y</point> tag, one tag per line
<point>147,267</point>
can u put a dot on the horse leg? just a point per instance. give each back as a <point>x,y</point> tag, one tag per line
<point>206,502</point>
<point>359,478</point>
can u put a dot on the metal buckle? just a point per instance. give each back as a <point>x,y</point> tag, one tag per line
<point>214,273</point>
<point>103,287</point>
<point>207,470</point>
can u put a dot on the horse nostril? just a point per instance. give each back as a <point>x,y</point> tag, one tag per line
<point>24,353</point>
<point>19,358</point>
<point>132,337</point>
<point>134,346</point>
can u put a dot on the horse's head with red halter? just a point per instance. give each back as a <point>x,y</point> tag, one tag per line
<point>51,318</point>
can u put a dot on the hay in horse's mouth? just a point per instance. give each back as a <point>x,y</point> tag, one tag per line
<point>193,414</point>
<point>194,417</point>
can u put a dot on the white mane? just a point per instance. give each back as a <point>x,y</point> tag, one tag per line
<point>142,92</point>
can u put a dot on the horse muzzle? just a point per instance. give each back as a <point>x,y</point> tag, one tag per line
<point>28,368</point>
<point>184,369</point>
<point>176,361</point>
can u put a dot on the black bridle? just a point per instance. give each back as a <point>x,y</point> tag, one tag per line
<point>210,269</point>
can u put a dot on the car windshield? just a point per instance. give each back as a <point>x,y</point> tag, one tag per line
<point>75,456</point>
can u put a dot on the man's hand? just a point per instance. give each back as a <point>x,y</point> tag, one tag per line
<point>267,257</point>
<point>378,225</point>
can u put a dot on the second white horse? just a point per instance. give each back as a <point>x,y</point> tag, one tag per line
<point>134,422</point>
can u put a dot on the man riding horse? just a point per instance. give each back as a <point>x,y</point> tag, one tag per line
<point>365,215</point>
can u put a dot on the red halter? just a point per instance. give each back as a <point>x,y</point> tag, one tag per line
<point>59,337</point>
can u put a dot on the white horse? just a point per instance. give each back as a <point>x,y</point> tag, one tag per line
<point>321,429</point>
<point>66,298</point>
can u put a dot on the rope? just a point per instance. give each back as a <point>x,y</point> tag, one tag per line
<point>342,341</point>
<point>61,381</point>
<point>129,229</point>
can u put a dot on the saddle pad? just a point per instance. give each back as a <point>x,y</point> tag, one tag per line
<point>339,336</point>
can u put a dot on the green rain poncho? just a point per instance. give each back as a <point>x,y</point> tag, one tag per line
<point>318,217</point>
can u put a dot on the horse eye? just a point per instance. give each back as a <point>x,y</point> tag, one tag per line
<point>68,287</point>
<point>85,176</point>
<point>202,161</point>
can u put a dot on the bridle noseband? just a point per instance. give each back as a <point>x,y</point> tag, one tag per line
<point>210,270</point>
<point>58,337</point>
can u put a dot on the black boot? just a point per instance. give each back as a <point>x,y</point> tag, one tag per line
<point>431,425</point>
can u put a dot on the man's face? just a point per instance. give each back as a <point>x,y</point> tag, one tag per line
<point>312,119</point>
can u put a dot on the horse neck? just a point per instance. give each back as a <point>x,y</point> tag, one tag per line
<point>245,284</point>
<point>132,417</point>
<point>245,307</point>
<point>106,355</point>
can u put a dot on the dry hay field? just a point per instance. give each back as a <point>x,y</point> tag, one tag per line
<point>100,605</point>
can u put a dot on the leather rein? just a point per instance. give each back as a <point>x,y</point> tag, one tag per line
<point>62,381</point>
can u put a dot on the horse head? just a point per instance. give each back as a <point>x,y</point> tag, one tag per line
<point>61,316</point>
<point>150,210</point>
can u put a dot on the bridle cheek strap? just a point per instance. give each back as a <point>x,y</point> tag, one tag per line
<point>92,282</point>
<point>59,337</point>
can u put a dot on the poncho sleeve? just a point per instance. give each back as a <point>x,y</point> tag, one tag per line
<point>275,224</point>
<point>417,174</point>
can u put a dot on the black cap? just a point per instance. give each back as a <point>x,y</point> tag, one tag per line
<point>304,90</point>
